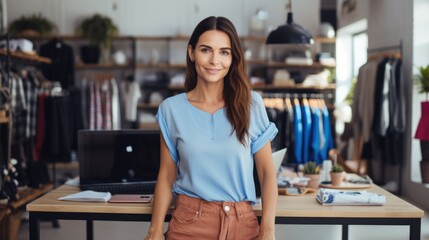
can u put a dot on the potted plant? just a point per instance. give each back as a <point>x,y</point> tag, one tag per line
<point>422,132</point>
<point>99,30</point>
<point>312,171</point>
<point>31,25</point>
<point>337,175</point>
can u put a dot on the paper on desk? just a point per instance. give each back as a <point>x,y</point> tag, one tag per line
<point>87,196</point>
<point>341,197</point>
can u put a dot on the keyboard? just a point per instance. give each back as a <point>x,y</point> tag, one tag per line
<point>123,188</point>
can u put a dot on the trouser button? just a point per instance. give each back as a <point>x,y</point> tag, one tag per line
<point>226,208</point>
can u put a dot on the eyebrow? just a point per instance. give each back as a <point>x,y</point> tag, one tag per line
<point>224,48</point>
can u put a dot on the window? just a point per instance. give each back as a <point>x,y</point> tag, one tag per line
<point>359,51</point>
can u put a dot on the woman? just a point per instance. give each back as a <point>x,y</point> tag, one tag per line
<point>212,135</point>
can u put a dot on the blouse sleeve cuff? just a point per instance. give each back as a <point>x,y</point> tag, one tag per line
<point>164,130</point>
<point>266,136</point>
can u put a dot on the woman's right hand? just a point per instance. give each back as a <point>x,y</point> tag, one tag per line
<point>152,235</point>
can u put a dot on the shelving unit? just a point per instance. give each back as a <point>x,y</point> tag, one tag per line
<point>169,62</point>
<point>10,215</point>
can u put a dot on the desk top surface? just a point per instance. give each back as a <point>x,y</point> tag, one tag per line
<point>288,206</point>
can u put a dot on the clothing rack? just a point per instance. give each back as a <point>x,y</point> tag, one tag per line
<point>293,95</point>
<point>387,51</point>
<point>392,51</point>
<point>7,62</point>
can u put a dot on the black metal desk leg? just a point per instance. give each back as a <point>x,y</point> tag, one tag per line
<point>34,227</point>
<point>345,232</point>
<point>415,229</point>
<point>89,230</point>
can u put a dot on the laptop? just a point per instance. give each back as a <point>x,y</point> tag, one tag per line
<point>119,161</point>
<point>277,157</point>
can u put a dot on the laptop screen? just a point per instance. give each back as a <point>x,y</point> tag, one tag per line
<point>122,156</point>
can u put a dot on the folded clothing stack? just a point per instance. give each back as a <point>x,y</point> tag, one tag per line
<point>341,197</point>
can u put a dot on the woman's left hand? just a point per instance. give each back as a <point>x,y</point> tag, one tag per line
<point>267,234</point>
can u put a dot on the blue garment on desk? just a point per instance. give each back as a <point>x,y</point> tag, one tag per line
<point>212,164</point>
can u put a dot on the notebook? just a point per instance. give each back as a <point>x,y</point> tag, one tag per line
<point>119,161</point>
<point>277,157</point>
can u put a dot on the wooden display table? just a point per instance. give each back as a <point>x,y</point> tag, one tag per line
<point>290,210</point>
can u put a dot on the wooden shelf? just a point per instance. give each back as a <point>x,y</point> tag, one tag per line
<point>149,126</point>
<point>162,66</point>
<point>25,56</point>
<point>73,165</point>
<point>149,106</point>
<point>319,39</point>
<point>29,194</point>
<point>82,66</point>
<point>331,86</point>
<point>4,211</point>
<point>4,119</point>
<point>285,65</point>
<point>65,37</point>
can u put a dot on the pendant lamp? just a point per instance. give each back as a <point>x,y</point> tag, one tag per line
<point>290,33</point>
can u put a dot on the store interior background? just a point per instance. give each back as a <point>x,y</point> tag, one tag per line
<point>387,22</point>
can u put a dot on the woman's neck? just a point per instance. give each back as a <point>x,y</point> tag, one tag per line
<point>207,97</point>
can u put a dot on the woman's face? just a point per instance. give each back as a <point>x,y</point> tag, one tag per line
<point>212,56</point>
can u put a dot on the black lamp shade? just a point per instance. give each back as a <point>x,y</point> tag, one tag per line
<point>290,33</point>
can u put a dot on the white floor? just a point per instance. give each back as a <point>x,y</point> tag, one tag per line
<point>75,230</point>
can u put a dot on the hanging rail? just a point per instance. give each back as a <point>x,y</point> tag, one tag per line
<point>387,51</point>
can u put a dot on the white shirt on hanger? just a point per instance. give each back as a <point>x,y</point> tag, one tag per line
<point>131,94</point>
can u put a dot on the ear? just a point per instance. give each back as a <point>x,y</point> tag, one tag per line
<point>191,53</point>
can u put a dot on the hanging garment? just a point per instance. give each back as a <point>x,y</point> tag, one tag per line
<point>289,132</point>
<point>422,131</point>
<point>327,132</point>
<point>298,129</point>
<point>363,102</point>
<point>57,141</point>
<point>315,136</point>
<point>131,94</point>
<point>378,123</point>
<point>62,67</point>
<point>306,130</point>
<point>106,105</point>
<point>116,113</point>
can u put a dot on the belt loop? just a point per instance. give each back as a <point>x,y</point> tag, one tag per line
<point>238,210</point>
<point>200,207</point>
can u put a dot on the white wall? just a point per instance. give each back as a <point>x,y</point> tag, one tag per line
<point>164,17</point>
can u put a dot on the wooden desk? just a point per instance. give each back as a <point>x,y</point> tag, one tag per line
<point>290,210</point>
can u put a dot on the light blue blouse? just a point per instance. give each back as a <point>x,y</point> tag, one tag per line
<point>211,163</point>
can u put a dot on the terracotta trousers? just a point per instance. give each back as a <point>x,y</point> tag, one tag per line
<point>198,219</point>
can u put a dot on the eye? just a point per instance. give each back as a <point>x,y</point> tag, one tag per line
<point>205,50</point>
<point>225,52</point>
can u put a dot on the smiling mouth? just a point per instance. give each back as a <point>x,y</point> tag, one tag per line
<point>211,70</point>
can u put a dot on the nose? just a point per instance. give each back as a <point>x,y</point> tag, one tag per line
<point>214,58</point>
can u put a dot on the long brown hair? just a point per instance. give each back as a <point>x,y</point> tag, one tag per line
<point>236,90</point>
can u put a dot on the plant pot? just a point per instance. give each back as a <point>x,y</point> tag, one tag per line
<point>424,171</point>
<point>90,54</point>
<point>314,180</point>
<point>337,178</point>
